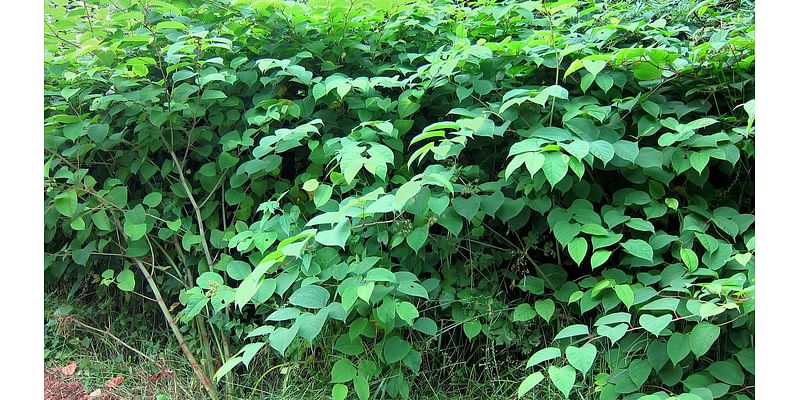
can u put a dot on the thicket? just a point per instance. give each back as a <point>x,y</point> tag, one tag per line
<point>383,191</point>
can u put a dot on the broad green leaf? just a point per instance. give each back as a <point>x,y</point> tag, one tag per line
<point>343,371</point>
<point>227,367</point>
<point>407,312</point>
<point>678,347</point>
<point>545,354</point>
<point>599,257</point>
<point>311,296</point>
<point>523,312</point>
<point>563,378</point>
<point>625,294</point>
<point>426,326</point>
<point>208,280</point>
<point>639,248</point>
<point>528,383</point>
<point>653,324</point>
<point>545,308</point>
<point>417,238</point>
<point>689,258</point>
<point>702,337</point>
<point>339,392</point>
<point>281,338</point>
<point>361,386</point>
<point>380,275</point>
<point>395,349</point>
<point>405,193</point>
<point>614,334</point>
<point>466,207</point>
<point>555,167</point>
<point>582,357</point>
<point>335,237</point>
<point>571,331</point>
<point>472,328</point>
<point>577,248</point>
<point>126,280</point>
<point>66,202</point>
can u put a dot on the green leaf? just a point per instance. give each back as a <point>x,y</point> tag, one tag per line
<point>563,378</point>
<point>565,231</point>
<point>412,289</point>
<point>639,371</point>
<point>311,296</point>
<point>97,132</point>
<point>343,371</point>
<point>594,229</point>
<point>339,392</point>
<point>426,326</point>
<point>406,106</point>
<point>545,354</point>
<point>335,237</point>
<point>322,194</point>
<point>381,275</point>
<point>467,208</point>
<point>238,270</point>
<point>417,238</point>
<point>572,330</point>
<point>407,312</point>
<point>664,304</point>
<point>582,357</point>
<point>555,167</point>
<point>727,371</point>
<point>577,249</point>
<point>310,325</point>
<point>678,347</point>
<point>646,71</point>
<point>395,349</point>
<point>126,280</point>
<point>639,248</point>
<point>689,258</point>
<point>281,338</point>
<point>594,67</point>
<point>614,334</point>
<point>702,337</point>
<point>472,328</point>
<point>405,193</point>
<point>101,220</point>
<point>209,279</point>
<point>523,312</point>
<point>135,231</point>
<point>528,383</point>
<point>599,257</point>
<point>653,324</point>
<point>66,202</point>
<point>361,386</point>
<point>625,294</point>
<point>364,291</point>
<point>613,318</point>
<point>227,367</point>
<point>545,308</point>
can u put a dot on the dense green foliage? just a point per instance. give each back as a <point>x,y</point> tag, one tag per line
<point>562,190</point>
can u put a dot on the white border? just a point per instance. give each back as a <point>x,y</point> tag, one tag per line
<point>777,220</point>
<point>22,218</point>
<point>777,205</point>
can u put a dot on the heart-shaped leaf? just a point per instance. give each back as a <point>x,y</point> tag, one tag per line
<point>582,357</point>
<point>614,334</point>
<point>654,324</point>
<point>563,378</point>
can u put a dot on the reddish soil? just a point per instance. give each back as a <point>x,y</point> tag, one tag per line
<point>60,387</point>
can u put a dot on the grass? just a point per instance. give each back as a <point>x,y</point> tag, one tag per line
<point>492,375</point>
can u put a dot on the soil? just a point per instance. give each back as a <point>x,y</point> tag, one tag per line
<point>60,387</point>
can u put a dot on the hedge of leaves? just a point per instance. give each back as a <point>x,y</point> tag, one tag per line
<point>569,181</point>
